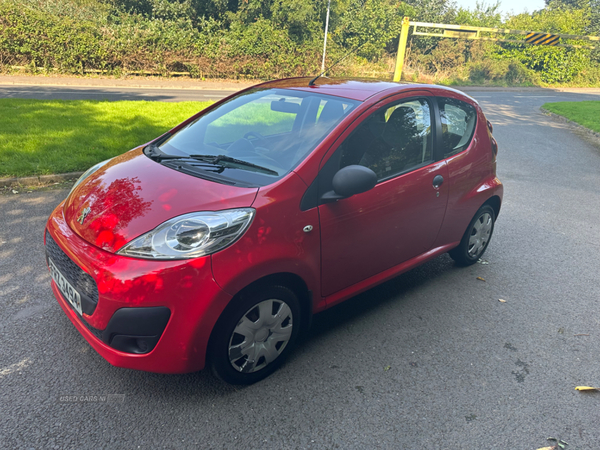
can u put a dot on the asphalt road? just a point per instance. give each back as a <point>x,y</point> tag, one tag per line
<point>112,93</point>
<point>430,360</point>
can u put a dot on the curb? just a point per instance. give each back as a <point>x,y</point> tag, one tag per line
<point>39,180</point>
<point>563,119</point>
<point>124,83</point>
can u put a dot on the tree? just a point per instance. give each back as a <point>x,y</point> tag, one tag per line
<point>372,24</point>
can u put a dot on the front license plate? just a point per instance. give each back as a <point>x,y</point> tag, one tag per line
<point>65,287</point>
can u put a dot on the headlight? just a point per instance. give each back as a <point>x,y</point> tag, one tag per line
<point>191,235</point>
<point>87,173</point>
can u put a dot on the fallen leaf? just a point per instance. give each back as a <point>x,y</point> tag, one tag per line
<point>586,388</point>
<point>480,279</point>
<point>386,368</point>
<point>501,300</point>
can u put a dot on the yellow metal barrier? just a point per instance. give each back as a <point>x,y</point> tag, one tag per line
<point>401,49</point>
<point>481,33</point>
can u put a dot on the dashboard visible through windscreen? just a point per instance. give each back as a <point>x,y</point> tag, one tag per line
<point>256,137</point>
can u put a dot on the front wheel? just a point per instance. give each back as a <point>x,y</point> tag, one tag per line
<point>254,335</point>
<point>476,238</point>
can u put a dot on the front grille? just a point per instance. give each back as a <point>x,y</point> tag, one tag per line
<point>80,280</point>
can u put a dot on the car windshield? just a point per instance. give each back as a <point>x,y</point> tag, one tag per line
<point>255,138</point>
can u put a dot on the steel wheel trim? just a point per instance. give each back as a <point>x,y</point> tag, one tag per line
<point>260,336</point>
<point>480,235</point>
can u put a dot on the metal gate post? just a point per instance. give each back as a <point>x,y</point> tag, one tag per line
<point>401,49</point>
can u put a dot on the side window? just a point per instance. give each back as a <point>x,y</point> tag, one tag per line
<point>392,140</point>
<point>458,125</point>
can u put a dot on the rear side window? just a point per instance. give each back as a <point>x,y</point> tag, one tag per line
<point>458,125</point>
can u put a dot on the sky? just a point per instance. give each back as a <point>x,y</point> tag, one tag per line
<point>506,6</point>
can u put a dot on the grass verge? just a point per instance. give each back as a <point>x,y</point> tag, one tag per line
<point>584,113</point>
<point>40,137</point>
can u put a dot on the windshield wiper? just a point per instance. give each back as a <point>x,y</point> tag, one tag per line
<point>155,153</point>
<point>217,159</point>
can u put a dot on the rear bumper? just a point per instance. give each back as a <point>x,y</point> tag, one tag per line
<point>135,300</point>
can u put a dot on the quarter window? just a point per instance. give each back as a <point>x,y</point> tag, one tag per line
<point>458,125</point>
<point>391,141</point>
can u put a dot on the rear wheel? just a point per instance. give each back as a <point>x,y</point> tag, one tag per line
<point>254,335</point>
<point>476,238</point>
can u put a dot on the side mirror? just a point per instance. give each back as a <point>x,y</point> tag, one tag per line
<point>349,181</point>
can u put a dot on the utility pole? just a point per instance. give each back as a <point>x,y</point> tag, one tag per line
<point>325,40</point>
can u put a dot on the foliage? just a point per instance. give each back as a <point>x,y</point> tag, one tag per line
<point>43,40</point>
<point>356,27</point>
<point>483,15</point>
<point>554,65</point>
<point>436,11</point>
<point>503,72</point>
<point>279,38</point>
<point>263,50</point>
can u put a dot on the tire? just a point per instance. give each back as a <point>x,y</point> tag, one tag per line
<point>254,335</point>
<point>476,238</point>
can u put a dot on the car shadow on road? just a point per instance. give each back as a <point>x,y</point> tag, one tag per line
<point>394,291</point>
<point>203,386</point>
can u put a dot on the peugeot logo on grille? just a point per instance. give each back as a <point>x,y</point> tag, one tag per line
<point>83,215</point>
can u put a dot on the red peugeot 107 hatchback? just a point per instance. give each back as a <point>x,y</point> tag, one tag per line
<point>216,242</point>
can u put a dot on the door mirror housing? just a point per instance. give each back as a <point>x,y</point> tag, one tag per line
<point>349,181</point>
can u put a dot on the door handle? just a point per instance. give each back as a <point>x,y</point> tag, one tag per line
<point>437,181</point>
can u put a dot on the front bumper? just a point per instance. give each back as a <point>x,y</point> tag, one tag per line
<point>186,288</point>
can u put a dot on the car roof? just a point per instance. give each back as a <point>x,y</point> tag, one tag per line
<point>353,88</point>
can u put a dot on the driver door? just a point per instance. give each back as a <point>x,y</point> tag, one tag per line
<point>399,219</point>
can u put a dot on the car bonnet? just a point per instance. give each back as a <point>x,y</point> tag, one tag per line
<point>133,194</point>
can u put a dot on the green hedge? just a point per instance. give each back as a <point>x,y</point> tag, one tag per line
<point>267,39</point>
<point>123,42</point>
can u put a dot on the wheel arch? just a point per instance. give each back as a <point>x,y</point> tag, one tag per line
<point>495,203</point>
<point>289,280</point>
